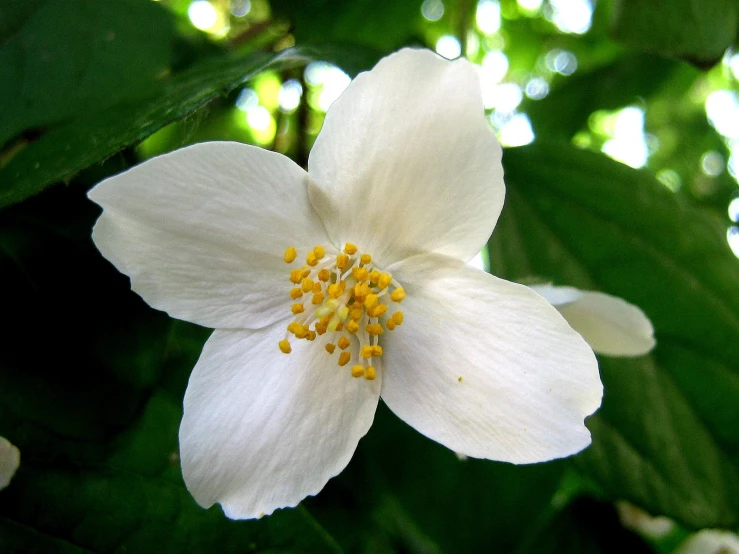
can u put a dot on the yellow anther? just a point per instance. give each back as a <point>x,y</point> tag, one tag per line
<point>350,248</point>
<point>306,284</point>
<point>357,371</point>
<point>285,346</point>
<point>370,373</point>
<point>306,272</point>
<point>324,275</point>
<point>397,317</point>
<point>296,293</point>
<point>384,280</point>
<point>311,259</point>
<point>377,311</point>
<point>340,326</point>
<point>330,347</point>
<point>296,275</point>
<point>290,255</point>
<point>319,252</point>
<point>317,298</point>
<point>390,324</point>
<point>355,312</point>
<point>344,358</point>
<point>311,335</point>
<point>320,327</point>
<point>342,261</point>
<point>374,329</point>
<point>366,351</point>
<point>361,290</point>
<point>374,276</point>
<point>360,274</point>
<point>352,326</point>
<point>371,301</point>
<point>301,332</point>
<point>298,308</point>
<point>365,259</point>
<point>294,326</point>
<point>377,350</point>
<point>344,343</point>
<point>335,290</point>
<point>397,295</point>
<point>317,287</point>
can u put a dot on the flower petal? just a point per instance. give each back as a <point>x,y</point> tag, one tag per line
<point>611,325</point>
<point>10,459</point>
<point>487,367</point>
<point>403,153</point>
<point>263,430</point>
<point>202,231</point>
<point>557,296</point>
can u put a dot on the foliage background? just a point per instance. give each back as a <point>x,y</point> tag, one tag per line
<point>91,379</point>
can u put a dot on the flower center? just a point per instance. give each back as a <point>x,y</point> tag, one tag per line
<point>346,295</point>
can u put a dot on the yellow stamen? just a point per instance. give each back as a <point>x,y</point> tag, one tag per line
<point>311,335</point>
<point>330,347</point>
<point>364,259</point>
<point>311,259</point>
<point>366,351</point>
<point>335,290</point>
<point>377,350</point>
<point>374,329</point>
<point>290,255</point>
<point>344,358</point>
<point>360,274</point>
<point>324,275</point>
<point>296,275</point>
<point>352,326</point>
<point>296,293</point>
<point>350,248</point>
<point>398,294</point>
<point>377,311</point>
<point>317,298</point>
<point>306,284</point>
<point>322,327</point>
<point>374,276</point>
<point>371,301</point>
<point>302,332</point>
<point>370,373</point>
<point>355,312</point>
<point>285,345</point>
<point>398,318</point>
<point>357,371</point>
<point>342,261</point>
<point>298,308</point>
<point>384,280</point>
<point>344,343</point>
<point>319,251</point>
<point>390,324</point>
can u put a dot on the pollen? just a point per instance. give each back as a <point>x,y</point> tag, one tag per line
<point>290,255</point>
<point>352,303</point>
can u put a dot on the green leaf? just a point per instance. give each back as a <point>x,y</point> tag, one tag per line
<point>67,149</point>
<point>667,435</point>
<point>698,31</point>
<point>80,56</point>
<point>381,24</point>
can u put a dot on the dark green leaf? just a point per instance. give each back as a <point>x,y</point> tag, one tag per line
<point>69,148</point>
<point>80,56</point>
<point>382,24</point>
<point>667,436</point>
<point>695,30</point>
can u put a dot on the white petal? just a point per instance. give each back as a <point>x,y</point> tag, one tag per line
<point>202,231</point>
<point>557,296</point>
<point>487,367</point>
<point>405,162</point>
<point>263,430</point>
<point>710,541</point>
<point>10,459</point>
<point>611,325</point>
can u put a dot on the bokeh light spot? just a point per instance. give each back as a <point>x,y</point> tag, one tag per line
<point>732,235</point>
<point>734,210</point>
<point>536,88</point>
<point>202,14</point>
<point>449,47</point>
<point>487,16</point>
<point>289,95</point>
<point>517,131</point>
<point>628,144</point>
<point>570,16</point>
<point>670,179</point>
<point>712,163</point>
<point>433,10</point>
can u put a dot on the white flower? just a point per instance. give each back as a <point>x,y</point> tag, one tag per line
<point>611,325</point>
<point>710,541</point>
<point>404,185</point>
<point>10,459</point>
